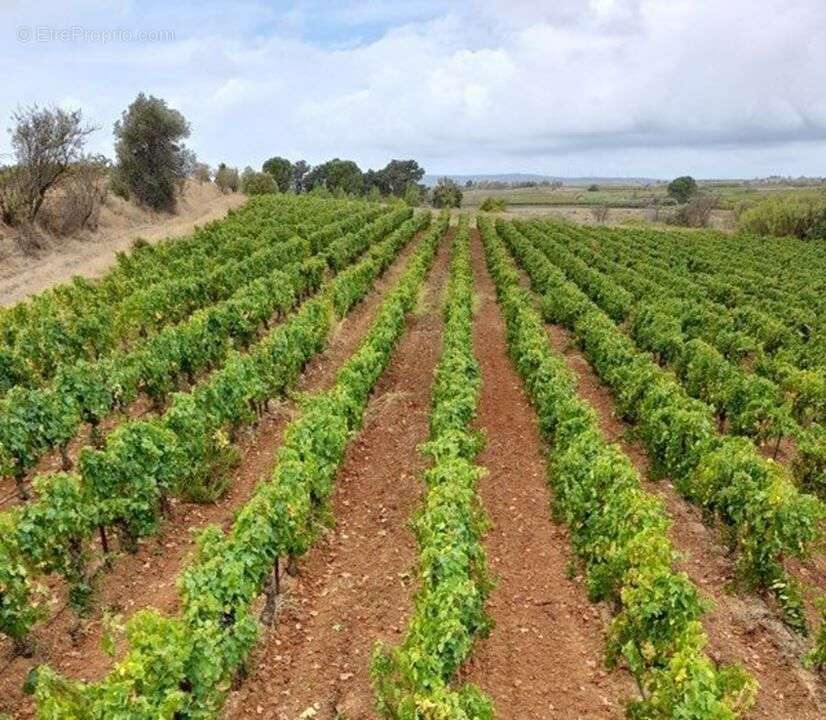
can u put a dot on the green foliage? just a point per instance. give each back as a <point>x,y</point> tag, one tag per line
<point>336,175</point>
<point>281,170</point>
<point>227,179</point>
<point>493,204</point>
<point>768,518</point>
<point>257,183</point>
<point>125,484</point>
<point>446,194</point>
<point>414,679</point>
<point>183,667</point>
<point>52,532</point>
<point>803,217</point>
<point>618,530</point>
<point>413,195</point>
<point>151,161</point>
<point>20,605</point>
<point>816,658</point>
<point>683,188</point>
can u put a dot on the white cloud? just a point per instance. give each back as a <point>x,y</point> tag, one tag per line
<point>579,87</point>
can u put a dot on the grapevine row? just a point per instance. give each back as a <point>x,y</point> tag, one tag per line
<point>618,531</point>
<point>33,421</point>
<point>753,406</point>
<point>788,343</point>
<point>768,518</point>
<point>415,679</point>
<point>37,352</point>
<point>183,666</point>
<point>125,485</point>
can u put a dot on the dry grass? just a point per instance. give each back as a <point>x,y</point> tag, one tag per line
<point>91,253</point>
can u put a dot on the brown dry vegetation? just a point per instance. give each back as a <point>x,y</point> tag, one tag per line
<point>90,253</point>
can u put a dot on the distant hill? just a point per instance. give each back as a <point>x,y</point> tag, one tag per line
<point>430,180</point>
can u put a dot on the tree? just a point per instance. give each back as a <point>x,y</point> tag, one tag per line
<point>682,188</point>
<point>493,204</point>
<point>151,160</point>
<point>226,178</point>
<point>374,182</point>
<point>397,175</point>
<point>45,141</point>
<point>337,174</point>
<point>281,170</point>
<point>299,172</point>
<point>413,194</point>
<point>257,183</point>
<point>696,212</point>
<point>446,194</point>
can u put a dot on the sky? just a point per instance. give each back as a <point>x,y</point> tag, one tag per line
<point>651,88</point>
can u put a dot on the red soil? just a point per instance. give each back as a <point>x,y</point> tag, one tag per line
<point>741,628</point>
<point>148,577</point>
<point>543,658</point>
<point>356,585</point>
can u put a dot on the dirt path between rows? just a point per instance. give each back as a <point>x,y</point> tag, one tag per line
<point>543,658</point>
<point>741,629</point>
<point>148,577</point>
<point>356,585</point>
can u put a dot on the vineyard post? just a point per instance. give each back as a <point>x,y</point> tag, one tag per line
<point>272,591</point>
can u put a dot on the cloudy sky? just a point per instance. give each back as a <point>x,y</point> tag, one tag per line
<point>715,88</point>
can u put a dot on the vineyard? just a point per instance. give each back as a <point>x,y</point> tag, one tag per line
<point>341,459</point>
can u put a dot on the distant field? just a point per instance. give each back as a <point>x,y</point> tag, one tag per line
<point>731,195</point>
<point>617,196</point>
<point>630,204</point>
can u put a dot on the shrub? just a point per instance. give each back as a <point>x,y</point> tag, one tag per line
<point>12,197</point>
<point>76,201</point>
<point>695,213</point>
<point>682,189</point>
<point>446,194</point>
<point>593,188</point>
<point>336,174</point>
<point>151,161</point>
<point>600,213</point>
<point>803,217</point>
<point>492,204</point>
<point>257,183</point>
<point>202,173</point>
<point>413,195</point>
<point>226,178</point>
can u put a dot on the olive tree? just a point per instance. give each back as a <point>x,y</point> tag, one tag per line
<point>152,161</point>
<point>226,178</point>
<point>45,143</point>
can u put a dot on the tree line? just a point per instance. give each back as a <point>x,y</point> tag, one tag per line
<point>53,183</point>
<point>340,178</point>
